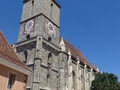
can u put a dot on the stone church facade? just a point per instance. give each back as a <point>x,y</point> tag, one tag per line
<point>56,64</point>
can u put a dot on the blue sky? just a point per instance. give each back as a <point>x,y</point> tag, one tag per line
<point>92,25</point>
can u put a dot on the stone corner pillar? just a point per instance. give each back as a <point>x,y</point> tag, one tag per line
<point>70,78</point>
<point>91,77</point>
<point>14,47</point>
<point>79,79</point>
<point>77,74</point>
<point>85,79</point>
<point>62,76</point>
<point>37,64</point>
<point>62,71</point>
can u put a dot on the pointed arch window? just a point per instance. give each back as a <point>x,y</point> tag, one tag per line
<point>73,74</point>
<point>26,55</point>
<point>49,68</point>
<point>49,58</point>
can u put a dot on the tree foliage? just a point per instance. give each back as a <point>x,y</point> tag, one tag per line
<point>105,81</point>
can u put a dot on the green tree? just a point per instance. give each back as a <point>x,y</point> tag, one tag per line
<point>105,81</point>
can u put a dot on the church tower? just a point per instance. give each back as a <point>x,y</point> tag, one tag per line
<point>40,18</point>
<point>38,43</point>
<point>56,64</point>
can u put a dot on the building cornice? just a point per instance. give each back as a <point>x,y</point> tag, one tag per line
<point>24,1</point>
<point>56,3</point>
<point>33,39</point>
<point>13,66</point>
<point>25,42</point>
<point>37,16</point>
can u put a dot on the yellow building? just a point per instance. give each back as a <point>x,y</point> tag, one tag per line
<point>13,72</point>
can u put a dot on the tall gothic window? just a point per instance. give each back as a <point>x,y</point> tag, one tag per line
<point>51,11</point>
<point>26,56</point>
<point>73,74</point>
<point>49,67</point>
<point>50,58</point>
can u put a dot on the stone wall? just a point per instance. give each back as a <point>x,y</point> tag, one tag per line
<point>79,76</point>
<point>41,6</point>
<point>53,68</point>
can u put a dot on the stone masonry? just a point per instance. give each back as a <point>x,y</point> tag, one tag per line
<point>56,64</point>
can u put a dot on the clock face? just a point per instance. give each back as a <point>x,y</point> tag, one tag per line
<point>50,28</point>
<point>29,27</point>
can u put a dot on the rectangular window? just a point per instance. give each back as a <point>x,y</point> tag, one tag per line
<point>11,81</point>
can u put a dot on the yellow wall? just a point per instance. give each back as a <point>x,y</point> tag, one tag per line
<point>20,82</point>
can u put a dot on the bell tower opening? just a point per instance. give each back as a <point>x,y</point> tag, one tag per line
<point>51,11</point>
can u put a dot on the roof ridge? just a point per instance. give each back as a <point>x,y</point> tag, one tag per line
<point>77,52</point>
<point>72,46</point>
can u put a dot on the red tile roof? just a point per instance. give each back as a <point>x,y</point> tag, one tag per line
<point>75,52</point>
<point>7,52</point>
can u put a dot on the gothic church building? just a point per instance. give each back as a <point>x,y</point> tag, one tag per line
<point>55,63</point>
